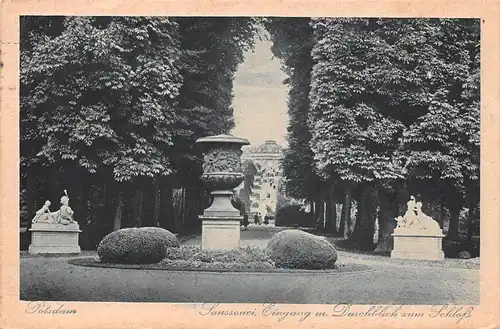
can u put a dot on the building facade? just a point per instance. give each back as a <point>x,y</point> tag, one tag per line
<point>266,159</point>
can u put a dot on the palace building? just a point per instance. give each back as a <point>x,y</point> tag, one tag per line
<point>266,159</point>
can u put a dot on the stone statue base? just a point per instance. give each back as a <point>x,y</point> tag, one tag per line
<point>49,238</point>
<point>220,233</point>
<point>414,243</point>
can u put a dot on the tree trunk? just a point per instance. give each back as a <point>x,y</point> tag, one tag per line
<point>454,219</point>
<point>103,213</point>
<point>148,204</point>
<point>445,219</point>
<point>342,220</point>
<point>319,212</point>
<point>338,219</point>
<point>81,212</point>
<point>325,214</point>
<point>358,227</point>
<point>347,213</point>
<point>365,223</point>
<point>156,204</point>
<point>193,208</point>
<point>470,221</point>
<point>202,195</point>
<point>329,211</point>
<point>435,211</point>
<point>169,211</point>
<point>188,205</point>
<point>166,216</point>
<point>30,202</point>
<point>137,207</point>
<point>119,208</point>
<point>193,205</point>
<point>25,238</point>
<point>333,210</point>
<point>183,210</point>
<point>387,223</point>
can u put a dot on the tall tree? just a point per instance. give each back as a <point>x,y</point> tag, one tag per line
<point>442,146</point>
<point>382,91</point>
<point>117,102</point>
<point>292,43</point>
<point>212,49</point>
<point>99,98</point>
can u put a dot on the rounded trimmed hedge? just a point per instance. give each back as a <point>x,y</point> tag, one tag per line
<point>164,235</point>
<point>144,245</point>
<point>301,250</point>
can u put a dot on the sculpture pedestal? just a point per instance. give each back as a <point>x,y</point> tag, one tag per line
<point>412,244</point>
<point>220,233</point>
<point>48,238</point>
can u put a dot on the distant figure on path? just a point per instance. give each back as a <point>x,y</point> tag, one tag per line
<point>245,220</point>
<point>256,219</point>
<point>266,219</point>
<point>260,219</point>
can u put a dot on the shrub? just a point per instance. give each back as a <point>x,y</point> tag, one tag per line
<point>135,246</point>
<point>293,215</point>
<point>168,238</point>
<point>301,250</point>
<point>460,249</point>
<point>187,256</point>
<point>290,212</point>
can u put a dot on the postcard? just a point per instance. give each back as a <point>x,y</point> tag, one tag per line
<point>250,164</point>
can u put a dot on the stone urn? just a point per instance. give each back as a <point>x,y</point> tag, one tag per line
<point>222,173</point>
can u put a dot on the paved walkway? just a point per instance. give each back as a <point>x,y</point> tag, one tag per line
<point>387,283</point>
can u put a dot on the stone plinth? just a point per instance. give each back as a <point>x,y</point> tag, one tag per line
<point>220,233</point>
<point>412,244</point>
<point>49,238</point>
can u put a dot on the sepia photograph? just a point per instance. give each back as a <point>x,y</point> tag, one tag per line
<point>295,160</point>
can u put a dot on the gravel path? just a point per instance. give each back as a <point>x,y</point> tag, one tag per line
<point>388,282</point>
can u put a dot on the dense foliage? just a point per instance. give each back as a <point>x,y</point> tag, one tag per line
<point>301,250</point>
<point>290,212</point>
<point>143,245</point>
<point>111,108</point>
<point>393,110</point>
<point>189,257</point>
<point>379,109</point>
<point>292,43</point>
<point>101,96</point>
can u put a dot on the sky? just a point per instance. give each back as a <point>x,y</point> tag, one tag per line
<point>260,97</point>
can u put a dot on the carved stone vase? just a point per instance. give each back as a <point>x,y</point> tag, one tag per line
<point>221,174</point>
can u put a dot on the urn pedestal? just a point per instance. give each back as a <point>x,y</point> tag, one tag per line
<point>49,238</point>
<point>222,173</point>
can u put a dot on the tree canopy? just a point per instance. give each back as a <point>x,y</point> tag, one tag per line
<point>115,104</point>
<point>392,103</point>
